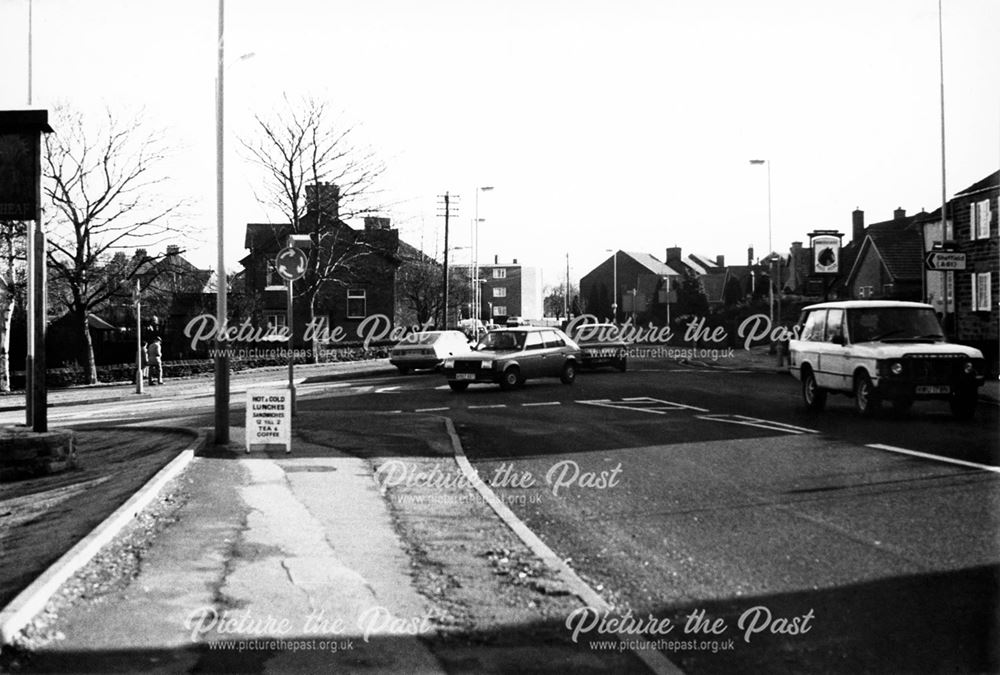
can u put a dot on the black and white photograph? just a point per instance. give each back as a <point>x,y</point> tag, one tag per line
<point>482,337</point>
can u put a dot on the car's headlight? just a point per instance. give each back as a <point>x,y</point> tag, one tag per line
<point>968,368</point>
<point>486,364</point>
<point>449,363</point>
<point>896,368</point>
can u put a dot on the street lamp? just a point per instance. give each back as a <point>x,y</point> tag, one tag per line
<point>770,248</point>
<point>475,252</point>
<point>222,287</point>
<point>614,294</point>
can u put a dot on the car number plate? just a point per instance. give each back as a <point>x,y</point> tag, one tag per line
<point>933,389</point>
<point>465,376</point>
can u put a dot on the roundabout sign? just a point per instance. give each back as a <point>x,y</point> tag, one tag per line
<point>290,263</point>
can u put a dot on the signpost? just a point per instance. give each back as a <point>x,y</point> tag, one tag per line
<point>826,245</point>
<point>269,418</point>
<point>944,261</point>
<point>21,199</point>
<point>290,263</point>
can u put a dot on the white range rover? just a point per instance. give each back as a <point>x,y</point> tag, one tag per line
<point>882,351</point>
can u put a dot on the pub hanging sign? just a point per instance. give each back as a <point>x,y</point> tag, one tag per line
<point>825,245</point>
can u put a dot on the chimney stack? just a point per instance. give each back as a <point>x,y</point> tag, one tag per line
<point>673,253</point>
<point>750,255</point>
<point>376,223</point>
<point>173,249</point>
<point>899,214</point>
<point>323,197</point>
<point>857,225</point>
<point>720,260</point>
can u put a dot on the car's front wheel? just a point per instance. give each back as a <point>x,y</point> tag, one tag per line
<point>812,395</point>
<point>568,373</point>
<point>458,386</point>
<point>511,378</point>
<point>866,399</point>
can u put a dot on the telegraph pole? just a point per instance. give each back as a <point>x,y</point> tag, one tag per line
<point>448,199</point>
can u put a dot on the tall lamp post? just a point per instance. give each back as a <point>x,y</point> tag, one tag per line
<point>221,361</point>
<point>770,248</point>
<point>475,255</point>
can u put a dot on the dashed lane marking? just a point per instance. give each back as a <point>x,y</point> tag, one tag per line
<point>936,458</point>
<point>535,405</point>
<point>484,407</point>
<point>431,409</point>
<point>757,422</point>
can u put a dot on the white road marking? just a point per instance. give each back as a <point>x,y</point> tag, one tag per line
<point>643,404</point>
<point>936,458</point>
<point>757,422</point>
<point>383,390</point>
<point>482,407</point>
<point>430,409</point>
<point>535,405</point>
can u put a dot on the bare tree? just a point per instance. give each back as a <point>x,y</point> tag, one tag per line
<point>101,181</point>
<point>316,178</point>
<point>420,284</point>
<point>12,284</point>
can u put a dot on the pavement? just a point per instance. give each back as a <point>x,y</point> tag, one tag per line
<point>292,562</point>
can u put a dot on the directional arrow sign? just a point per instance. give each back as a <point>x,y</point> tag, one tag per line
<point>290,263</point>
<point>945,260</point>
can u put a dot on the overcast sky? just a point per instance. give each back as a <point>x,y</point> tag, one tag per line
<point>625,124</point>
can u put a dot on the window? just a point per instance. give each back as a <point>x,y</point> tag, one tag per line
<point>276,321</point>
<point>357,303</point>
<point>499,273</point>
<point>980,218</point>
<point>814,326</point>
<point>274,280</point>
<point>553,339</point>
<point>887,290</point>
<point>981,291</point>
<point>835,325</point>
<point>533,340</point>
<point>500,292</point>
<point>499,310</point>
<point>865,291</point>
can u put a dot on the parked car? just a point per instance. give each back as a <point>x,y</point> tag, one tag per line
<point>509,356</point>
<point>602,345</point>
<point>882,351</point>
<point>427,349</point>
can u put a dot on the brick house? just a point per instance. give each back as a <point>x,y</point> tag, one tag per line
<point>974,216</point>
<point>639,275</point>
<point>888,264</point>
<point>362,284</point>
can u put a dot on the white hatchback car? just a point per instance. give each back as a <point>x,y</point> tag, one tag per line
<point>882,350</point>
<point>427,349</point>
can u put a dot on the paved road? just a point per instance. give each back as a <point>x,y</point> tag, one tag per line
<point>677,491</point>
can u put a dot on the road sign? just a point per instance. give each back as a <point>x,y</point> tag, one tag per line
<point>290,263</point>
<point>945,260</point>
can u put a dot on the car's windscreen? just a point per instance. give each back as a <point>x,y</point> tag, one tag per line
<point>893,323</point>
<point>502,341</point>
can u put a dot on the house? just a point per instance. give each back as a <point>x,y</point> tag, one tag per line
<point>629,279</point>
<point>352,274</point>
<point>974,216</point>
<point>507,290</point>
<point>888,264</point>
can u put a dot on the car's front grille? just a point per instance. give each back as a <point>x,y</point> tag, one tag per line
<point>466,366</point>
<point>934,369</point>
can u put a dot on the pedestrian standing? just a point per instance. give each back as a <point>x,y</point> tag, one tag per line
<point>156,361</point>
